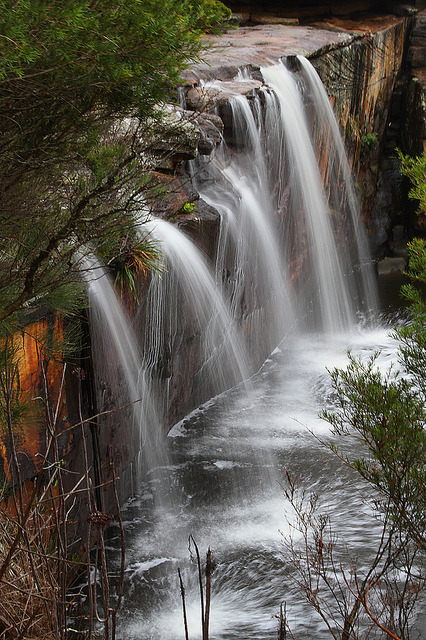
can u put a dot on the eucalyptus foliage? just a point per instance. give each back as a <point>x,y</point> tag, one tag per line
<point>80,84</point>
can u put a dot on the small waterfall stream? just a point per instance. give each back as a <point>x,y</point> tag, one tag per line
<point>341,175</point>
<point>282,284</point>
<point>251,261</point>
<point>118,358</point>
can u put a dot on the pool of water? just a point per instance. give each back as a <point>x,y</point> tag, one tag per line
<point>227,479</point>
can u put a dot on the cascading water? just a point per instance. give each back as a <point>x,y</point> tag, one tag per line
<point>222,495</point>
<point>330,270</point>
<point>340,174</point>
<point>278,169</point>
<point>118,361</point>
<point>251,259</point>
<point>187,290</point>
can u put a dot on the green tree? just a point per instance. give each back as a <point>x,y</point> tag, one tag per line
<point>387,413</point>
<point>81,87</point>
<point>71,169</point>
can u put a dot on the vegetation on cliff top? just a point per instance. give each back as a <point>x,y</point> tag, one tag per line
<point>70,168</point>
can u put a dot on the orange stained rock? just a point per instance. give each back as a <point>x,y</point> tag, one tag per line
<point>37,384</point>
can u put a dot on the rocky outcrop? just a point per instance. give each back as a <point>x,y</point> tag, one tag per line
<point>406,130</point>
<point>53,395</point>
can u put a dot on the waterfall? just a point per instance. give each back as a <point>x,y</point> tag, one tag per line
<point>252,262</point>
<point>187,292</point>
<point>291,256</point>
<point>285,193</point>
<point>118,364</point>
<point>339,169</point>
<point>289,271</point>
<point>325,196</point>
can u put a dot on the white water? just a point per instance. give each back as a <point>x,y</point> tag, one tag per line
<point>221,493</point>
<point>252,261</point>
<point>339,170</point>
<point>189,283</point>
<point>278,167</point>
<point>212,459</point>
<point>336,306</point>
<point>117,357</point>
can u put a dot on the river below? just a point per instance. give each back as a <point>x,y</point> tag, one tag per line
<point>226,479</point>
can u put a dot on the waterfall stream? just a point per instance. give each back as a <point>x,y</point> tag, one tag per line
<point>117,356</point>
<point>189,282</point>
<point>291,279</point>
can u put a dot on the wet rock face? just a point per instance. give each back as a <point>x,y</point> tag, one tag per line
<point>406,130</point>
<point>417,53</point>
<point>360,80</point>
<point>416,97</point>
<point>181,134</point>
<point>214,96</point>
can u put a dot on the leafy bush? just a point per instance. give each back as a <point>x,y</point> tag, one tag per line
<point>415,170</point>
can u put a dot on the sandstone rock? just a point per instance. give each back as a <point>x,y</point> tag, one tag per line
<point>260,46</point>
<point>417,53</point>
<point>268,19</point>
<point>211,127</point>
<point>390,265</point>
<point>174,136</point>
<point>168,194</point>
<point>215,94</point>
